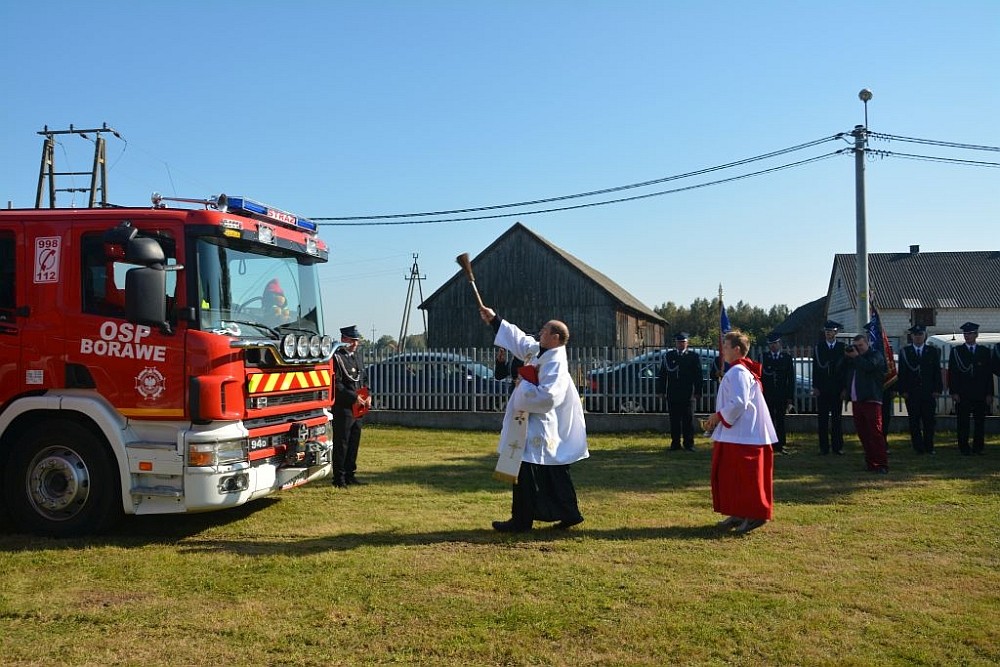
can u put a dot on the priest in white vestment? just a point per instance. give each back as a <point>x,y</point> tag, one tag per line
<point>554,432</point>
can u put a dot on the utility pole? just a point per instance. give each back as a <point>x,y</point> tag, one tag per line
<point>414,277</point>
<point>860,147</point>
<point>98,173</point>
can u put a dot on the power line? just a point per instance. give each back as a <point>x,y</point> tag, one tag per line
<point>932,142</point>
<point>619,188</point>
<point>934,158</point>
<point>790,165</point>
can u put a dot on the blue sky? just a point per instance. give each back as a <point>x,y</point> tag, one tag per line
<point>333,109</point>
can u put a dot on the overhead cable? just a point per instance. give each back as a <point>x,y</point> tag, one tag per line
<point>932,142</point>
<point>790,165</point>
<point>593,193</point>
<point>934,158</point>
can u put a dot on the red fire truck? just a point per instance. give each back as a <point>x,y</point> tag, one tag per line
<point>159,360</point>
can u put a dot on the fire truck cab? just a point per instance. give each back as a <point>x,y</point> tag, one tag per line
<point>158,360</point>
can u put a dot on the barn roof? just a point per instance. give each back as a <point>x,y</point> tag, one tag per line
<point>601,281</point>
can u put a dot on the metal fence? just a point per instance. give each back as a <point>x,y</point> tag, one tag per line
<point>609,379</point>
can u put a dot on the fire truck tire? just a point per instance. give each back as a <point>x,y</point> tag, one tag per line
<point>61,481</point>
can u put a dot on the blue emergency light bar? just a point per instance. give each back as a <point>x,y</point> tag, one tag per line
<point>257,210</point>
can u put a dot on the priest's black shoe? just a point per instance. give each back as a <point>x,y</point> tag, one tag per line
<point>339,483</point>
<point>510,527</point>
<point>566,524</point>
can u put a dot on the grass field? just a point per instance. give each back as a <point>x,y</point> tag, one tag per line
<point>856,569</point>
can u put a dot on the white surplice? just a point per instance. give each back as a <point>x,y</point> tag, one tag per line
<point>555,432</point>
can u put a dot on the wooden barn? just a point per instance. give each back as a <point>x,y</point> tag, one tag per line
<point>528,281</point>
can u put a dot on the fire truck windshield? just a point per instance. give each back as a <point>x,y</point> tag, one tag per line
<point>238,284</point>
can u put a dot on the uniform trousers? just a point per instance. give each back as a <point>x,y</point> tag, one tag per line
<point>346,441</point>
<point>829,408</point>
<point>681,423</point>
<point>922,411</point>
<point>976,408</point>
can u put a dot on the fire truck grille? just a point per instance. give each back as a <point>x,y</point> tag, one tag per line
<point>274,400</point>
<point>261,422</point>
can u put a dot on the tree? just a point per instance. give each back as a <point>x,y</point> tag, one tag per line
<point>701,320</point>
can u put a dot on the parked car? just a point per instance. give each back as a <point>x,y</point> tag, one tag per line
<point>630,386</point>
<point>435,381</point>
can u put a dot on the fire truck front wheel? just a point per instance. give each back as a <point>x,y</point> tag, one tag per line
<point>61,482</point>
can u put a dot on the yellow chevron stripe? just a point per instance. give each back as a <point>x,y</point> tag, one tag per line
<point>268,382</point>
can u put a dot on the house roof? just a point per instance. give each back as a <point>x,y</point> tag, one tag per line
<point>616,291</point>
<point>909,280</point>
<point>803,317</point>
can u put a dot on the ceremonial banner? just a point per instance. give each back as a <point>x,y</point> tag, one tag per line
<point>512,442</point>
<point>878,340</point>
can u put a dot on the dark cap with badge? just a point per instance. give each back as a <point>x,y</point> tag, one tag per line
<point>970,327</point>
<point>351,332</point>
<point>682,335</point>
<point>917,330</point>
<point>830,325</point>
<point>773,337</point>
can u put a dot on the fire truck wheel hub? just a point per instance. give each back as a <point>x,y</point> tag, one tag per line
<point>58,483</point>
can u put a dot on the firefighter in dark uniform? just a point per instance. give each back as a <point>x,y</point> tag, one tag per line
<point>828,385</point>
<point>919,382</point>
<point>681,378</point>
<point>778,378</point>
<point>970,380</point>
<point>349,388</point>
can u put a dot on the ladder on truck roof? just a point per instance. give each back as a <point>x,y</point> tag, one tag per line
<point>98,174</point>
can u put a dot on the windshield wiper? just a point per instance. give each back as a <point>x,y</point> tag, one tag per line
<point>258,325</point>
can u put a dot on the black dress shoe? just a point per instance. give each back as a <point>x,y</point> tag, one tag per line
<point>354,481</point>
<point>749,525</point>
<point>339,484</point>
<point>510,527</point>
<point>566,524</point>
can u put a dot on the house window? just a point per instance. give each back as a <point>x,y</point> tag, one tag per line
<point>923,317</point>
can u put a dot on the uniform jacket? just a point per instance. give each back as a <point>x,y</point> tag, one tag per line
<point>349,376</point>
<point>557,432</point>
<point>864,376</point>
<point>919,376</point>
<point>680,375</point>
<point>970,375</point>
<point>778,376</point>
<point>828,368</point>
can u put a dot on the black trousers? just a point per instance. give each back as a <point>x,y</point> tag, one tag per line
<point>976,408</point>
<point>346,441</point>
<point>543,493</point>
<point>829,408</point>
<point>777,411</point>
<point>922,411</point>
<point>681,423</point>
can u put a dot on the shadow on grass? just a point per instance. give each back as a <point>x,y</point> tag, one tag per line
<point>803,477</point>
<point>540,538</point>
<point>135,530</point>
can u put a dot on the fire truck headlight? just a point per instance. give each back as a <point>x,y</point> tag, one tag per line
<point>208,454</point>
<point>288,346</point>
<point>314,346</point>
<point>326,346</point>
<point>302,347</point>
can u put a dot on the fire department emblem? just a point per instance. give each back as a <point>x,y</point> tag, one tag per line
<point>149,383</point>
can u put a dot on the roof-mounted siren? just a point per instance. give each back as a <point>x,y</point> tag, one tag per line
<point>213,201</point>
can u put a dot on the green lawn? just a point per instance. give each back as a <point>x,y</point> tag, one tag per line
<point>856,569</point>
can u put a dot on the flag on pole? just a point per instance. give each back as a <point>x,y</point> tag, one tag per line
<point>724,328</point>
<point>879,341</point>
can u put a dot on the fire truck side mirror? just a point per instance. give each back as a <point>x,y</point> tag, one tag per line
<point>145,296</point>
